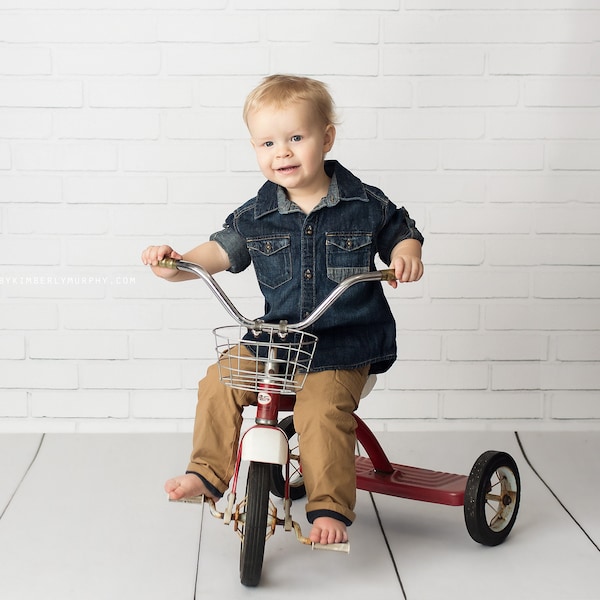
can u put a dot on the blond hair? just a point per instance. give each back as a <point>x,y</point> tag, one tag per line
<point>281,90</point>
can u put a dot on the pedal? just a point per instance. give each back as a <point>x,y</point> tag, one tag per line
<point>342,547</point>
<point>192,500</point>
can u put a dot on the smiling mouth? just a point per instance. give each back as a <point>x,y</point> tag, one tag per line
<point>285,170</point>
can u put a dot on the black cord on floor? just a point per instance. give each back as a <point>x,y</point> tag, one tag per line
<point>552,492</point>
<point>24,475</point>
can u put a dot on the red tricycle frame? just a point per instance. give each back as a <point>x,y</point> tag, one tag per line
<point>490,494</point>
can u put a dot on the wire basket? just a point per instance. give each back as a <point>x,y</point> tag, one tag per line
<point>279,361</point>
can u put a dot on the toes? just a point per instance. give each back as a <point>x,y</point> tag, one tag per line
<point>175,489</point>
<point>171,485</point>
<point>176,493</point>
<point>325,536</point>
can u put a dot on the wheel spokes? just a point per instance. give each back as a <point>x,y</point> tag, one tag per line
<point>500,501</point>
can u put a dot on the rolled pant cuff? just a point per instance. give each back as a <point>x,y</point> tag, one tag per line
<point>311,515</point>
<point>209,486</point>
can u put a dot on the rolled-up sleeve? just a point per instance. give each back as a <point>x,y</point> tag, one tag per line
<point>234,245</point>
<point>398,226</point>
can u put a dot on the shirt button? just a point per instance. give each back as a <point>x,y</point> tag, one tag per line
<point>269,246</point>
<point>348,243</point>
<point>308,274</point>
<point>309,230</point>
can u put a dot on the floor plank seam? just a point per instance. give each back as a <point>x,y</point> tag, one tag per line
<point>202,514</point>
<point>387,545</point>
<point>560,502</point>
<point>385,539</point>
<point>24,476</point>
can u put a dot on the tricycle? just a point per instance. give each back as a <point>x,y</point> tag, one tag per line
<point>489,495</point>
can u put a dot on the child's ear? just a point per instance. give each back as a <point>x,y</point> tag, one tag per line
<point>329,138</point>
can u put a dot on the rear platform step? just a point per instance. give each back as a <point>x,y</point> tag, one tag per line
<point>412,483</point>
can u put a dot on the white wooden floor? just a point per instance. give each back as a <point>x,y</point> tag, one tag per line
<point>83,517</point>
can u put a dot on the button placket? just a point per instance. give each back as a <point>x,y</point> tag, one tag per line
<point>307,264</point>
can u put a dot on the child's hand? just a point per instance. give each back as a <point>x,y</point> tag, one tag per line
<point>407,268</point>
<point>151,256</point>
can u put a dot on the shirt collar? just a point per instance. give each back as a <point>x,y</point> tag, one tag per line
<point>344,186</point>
<point>286,206</point>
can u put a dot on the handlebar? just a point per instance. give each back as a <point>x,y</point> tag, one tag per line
<point>283,326</point>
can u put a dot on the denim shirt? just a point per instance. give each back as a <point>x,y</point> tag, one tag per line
<point>300,258</point>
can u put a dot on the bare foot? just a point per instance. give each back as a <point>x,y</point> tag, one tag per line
<point>187,486</point>
<point>327,530</point>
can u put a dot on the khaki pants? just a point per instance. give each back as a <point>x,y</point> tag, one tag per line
<point>324,421</point>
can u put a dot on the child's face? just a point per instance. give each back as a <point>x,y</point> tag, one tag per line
<point>290,146</point>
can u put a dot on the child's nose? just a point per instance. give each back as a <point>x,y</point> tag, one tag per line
<point>283,151</point>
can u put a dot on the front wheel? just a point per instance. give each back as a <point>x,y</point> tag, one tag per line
<point>492,498</point>
<point>254,527</point>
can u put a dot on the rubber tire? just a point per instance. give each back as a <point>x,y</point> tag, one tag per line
<point>252,549</point>
<point>297,488</point>
<point>479,483</point>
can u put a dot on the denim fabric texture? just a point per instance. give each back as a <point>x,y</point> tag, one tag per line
<point>300,258</point>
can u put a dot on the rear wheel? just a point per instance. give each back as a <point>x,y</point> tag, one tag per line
<point>254,527</point>
<point>492,498</point>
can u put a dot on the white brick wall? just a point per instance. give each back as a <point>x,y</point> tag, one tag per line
<point>120,126</point>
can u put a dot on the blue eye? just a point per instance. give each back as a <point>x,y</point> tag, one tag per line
<point>268,144</point>
<point>296,138</point>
